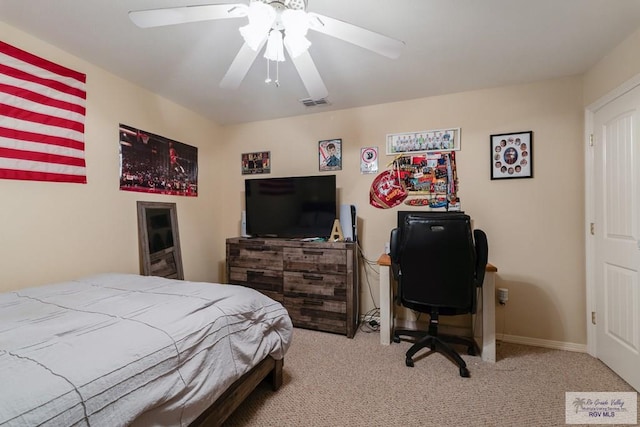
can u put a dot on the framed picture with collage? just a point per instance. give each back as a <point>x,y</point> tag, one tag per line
<point>432,177</point>
<point>512,155</point>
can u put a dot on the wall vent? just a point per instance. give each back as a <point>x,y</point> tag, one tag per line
<point>308,102</point>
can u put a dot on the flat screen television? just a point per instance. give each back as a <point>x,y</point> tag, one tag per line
<point>291,207</point>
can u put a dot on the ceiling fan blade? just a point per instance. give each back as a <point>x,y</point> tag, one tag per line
<point>375,42</point>
<point>309,75</point>
<point>181,15</point>
<point>240,66</point>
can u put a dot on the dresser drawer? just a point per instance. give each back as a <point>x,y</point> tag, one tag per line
<point>269,282</point>
<point>315,260</point>
<point>255,255</point>
<point>315,313</point>
<point>332,286</point>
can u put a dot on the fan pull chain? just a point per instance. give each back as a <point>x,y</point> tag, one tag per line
<point>268,79</point>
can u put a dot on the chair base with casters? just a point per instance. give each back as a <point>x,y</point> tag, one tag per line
<point>437,342</point>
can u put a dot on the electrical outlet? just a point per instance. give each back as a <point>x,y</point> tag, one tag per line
<point>503,295</point>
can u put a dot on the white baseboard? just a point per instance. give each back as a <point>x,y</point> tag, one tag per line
<point>537,342</point>
<point>514,339</point>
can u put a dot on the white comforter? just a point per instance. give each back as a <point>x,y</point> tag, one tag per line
<point>118,349</point>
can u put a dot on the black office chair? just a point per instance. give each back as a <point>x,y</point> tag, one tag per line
<point>438,268</point>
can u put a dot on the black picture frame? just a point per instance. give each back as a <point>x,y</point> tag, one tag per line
<point>511,155</point>
<point>330,155</point>
<point>257,162</point>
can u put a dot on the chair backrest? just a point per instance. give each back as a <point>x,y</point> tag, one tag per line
<point>437,262</point>
<point>482,254</point>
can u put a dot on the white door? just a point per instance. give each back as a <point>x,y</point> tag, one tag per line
<point>617,235</point>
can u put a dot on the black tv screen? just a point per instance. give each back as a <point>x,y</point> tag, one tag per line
<point>291,207</point>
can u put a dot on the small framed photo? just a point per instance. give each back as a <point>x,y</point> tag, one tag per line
<point>330,155</point>
<point>259,162</point>
<point>512,155</point>
<point>369,160</point>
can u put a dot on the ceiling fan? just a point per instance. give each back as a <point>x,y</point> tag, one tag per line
<point>278,24</point>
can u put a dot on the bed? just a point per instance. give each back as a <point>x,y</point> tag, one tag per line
<point>119,349</point>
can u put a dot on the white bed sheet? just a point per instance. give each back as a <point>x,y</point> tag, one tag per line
<point>118,349</point>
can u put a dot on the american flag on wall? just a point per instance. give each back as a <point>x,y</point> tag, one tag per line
<point>42,109</point>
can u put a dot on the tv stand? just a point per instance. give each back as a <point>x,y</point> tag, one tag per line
<point>315,281</point>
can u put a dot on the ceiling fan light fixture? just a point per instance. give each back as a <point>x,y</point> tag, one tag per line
<point>296,25</point>
<point>275,48</point>
<point>261,18</point>
<point>296,44</point>
<point>295,21</point>
<point>280,25</point>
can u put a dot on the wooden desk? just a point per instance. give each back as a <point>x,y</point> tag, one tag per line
<point>484,319</point>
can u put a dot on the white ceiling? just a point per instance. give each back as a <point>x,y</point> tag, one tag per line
<point>451,46</point>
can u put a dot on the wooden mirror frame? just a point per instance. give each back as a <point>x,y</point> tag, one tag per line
<point>159,240</point>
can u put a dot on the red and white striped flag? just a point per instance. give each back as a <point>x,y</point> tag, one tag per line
<point>42,109</point>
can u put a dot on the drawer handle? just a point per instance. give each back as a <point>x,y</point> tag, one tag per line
<point>312,302</point>
<point>256,248</point>
<point>313,252</point>
<point>255,273</point>
<point>310,277</point>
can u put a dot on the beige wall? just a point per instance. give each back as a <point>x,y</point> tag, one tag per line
<point>535,226</point>
<point>52,232</point>
<point>620,65</point>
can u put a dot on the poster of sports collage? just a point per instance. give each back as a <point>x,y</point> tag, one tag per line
<point>425,166</point>
<point>430,179</point>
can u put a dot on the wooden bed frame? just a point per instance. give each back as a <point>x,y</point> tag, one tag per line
<point>224,406</point>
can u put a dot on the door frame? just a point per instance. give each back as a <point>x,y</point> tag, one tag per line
<point>589,187</point>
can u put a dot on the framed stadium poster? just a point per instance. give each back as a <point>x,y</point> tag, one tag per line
<point>151,163</point>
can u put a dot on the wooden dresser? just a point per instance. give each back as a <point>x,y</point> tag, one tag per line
<point>315,281</point>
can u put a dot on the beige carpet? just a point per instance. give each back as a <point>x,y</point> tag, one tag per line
<point>330,380</point>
